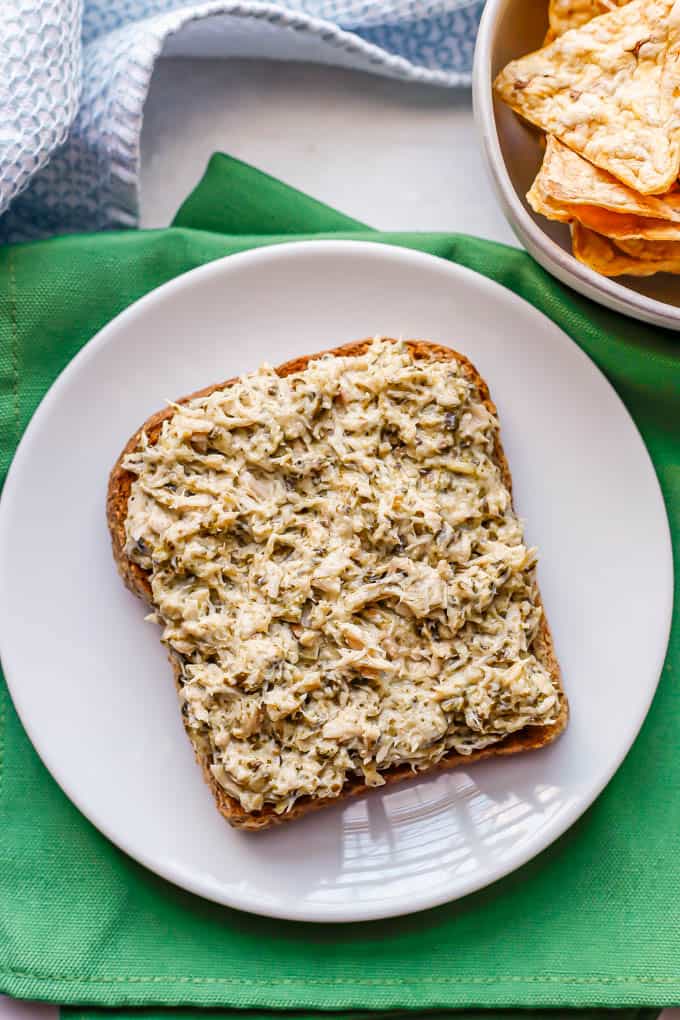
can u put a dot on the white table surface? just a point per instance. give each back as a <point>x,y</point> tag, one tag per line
<point>396,156</point>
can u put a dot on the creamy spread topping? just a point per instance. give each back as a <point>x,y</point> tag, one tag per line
<point>339,572</point>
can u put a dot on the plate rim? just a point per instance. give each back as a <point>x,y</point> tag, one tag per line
<point>328,913</point>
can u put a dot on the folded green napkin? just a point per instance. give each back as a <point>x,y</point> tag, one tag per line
<point>592,924</point>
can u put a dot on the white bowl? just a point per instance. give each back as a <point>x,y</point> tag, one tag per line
<point>509,29</point>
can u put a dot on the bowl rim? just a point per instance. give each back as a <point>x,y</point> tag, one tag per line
<point>542,248</point>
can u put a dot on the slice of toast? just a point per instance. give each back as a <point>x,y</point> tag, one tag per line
<point>120,483</point>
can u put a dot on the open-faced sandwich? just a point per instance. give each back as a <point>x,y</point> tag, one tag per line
<point>331,550</point>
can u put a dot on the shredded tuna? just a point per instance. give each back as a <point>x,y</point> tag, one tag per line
<point>336,564</point>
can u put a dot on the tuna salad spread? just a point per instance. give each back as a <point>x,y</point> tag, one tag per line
<point>339,574</point>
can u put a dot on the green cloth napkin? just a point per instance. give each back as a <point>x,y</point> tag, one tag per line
<point>592,923</point>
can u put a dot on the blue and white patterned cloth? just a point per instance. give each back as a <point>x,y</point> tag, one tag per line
<point>74,75</point>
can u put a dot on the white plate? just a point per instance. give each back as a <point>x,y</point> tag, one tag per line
<point>90,679</point>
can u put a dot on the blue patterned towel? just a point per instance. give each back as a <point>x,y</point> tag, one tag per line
<point>74,75</point>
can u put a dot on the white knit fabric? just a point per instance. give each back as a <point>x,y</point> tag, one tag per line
<point>74,75</point>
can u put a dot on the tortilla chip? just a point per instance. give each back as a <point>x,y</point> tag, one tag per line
<point>622,227</point>
<point>651,251</point>
<point>602,255</point>
<point>570,179</point>
<point>564,15</point>
<point>603,221</point>
<point>547,206</point>
<point>607,89</point>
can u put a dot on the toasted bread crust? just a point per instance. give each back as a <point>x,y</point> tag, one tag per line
<point>120,484</point>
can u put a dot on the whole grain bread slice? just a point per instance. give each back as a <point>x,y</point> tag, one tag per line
<point>120,483</point>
